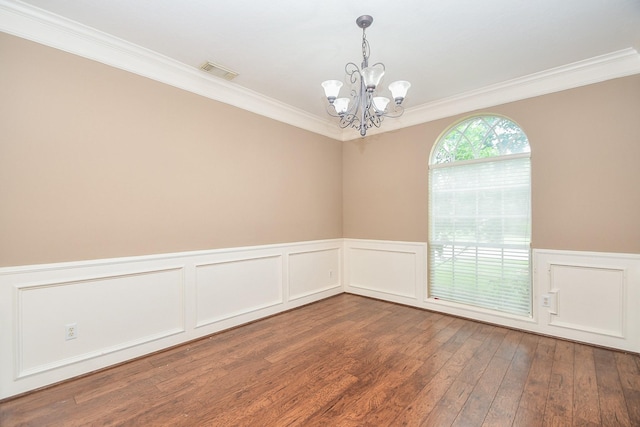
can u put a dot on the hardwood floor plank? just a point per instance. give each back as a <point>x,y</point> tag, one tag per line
<point>351,361</point>
<point>509,345</point>
<point>429,396</point>
<point>628,366</point>
<point>613,407</point>
<point>449,333</point>
<point>479,401</point>
<point>559,409</point>
<point>379,364</point>
<point>533,401</point>
<point>270,400</point>
<point>405,392</point>
<point>476,366</point>
<point>218,344</point>
<point>586,404</point>
<point>505,404</point>
<point>449,405</point>
<point>28,410</point>
<point>435,320</point>
<point>300,409</point>
<point>369,404</point>
<point>421,344</point>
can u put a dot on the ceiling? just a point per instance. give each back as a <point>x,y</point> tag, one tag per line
<point>284,49</point>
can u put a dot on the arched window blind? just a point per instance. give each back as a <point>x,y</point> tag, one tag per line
<point>480,216</point>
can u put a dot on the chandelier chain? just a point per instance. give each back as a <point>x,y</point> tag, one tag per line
<point>365,49</point>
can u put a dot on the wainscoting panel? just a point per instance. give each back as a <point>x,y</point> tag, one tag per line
<point>231,288</point>
<point>108,314</point>
<point>127,307</point>
<point>394,271</point>
<point>593,297</point>
<point>581,292</point>
<point>311,272</point>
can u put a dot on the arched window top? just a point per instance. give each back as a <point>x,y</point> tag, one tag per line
<point>480,137</point>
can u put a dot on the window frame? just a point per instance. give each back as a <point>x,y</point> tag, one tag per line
<point>478,244</point>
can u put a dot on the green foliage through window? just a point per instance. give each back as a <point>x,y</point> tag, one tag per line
<point>481,137</point>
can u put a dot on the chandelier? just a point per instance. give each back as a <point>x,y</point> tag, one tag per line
<point>364,109</point>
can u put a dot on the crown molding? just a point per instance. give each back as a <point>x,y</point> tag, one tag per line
<point>35,24</point>
<point>613,65</point>
<point>43,27</point>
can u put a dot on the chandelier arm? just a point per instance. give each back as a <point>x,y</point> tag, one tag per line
<point>354,105</point>
<point>350,114</point>
<point>396,112</point>
<point>372,117</point>
<point>375,120</point>
<point>353,72</point>
<point>331,110</point>
<point>380,64</point>
<point>356,118</point>
<point>348,120</point>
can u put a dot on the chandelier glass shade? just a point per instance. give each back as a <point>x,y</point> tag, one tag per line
<point>364,108</point>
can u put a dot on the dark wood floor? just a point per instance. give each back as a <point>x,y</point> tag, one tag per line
<point>352,361</point>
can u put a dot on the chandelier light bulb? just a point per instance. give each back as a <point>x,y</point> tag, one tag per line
<point>399,90</point>
<point>380,102</point>
<point>372,77</point>
<point>331,89</point>
<point>341,105</point>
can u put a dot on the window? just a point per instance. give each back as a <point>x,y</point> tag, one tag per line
<point>480,216</point>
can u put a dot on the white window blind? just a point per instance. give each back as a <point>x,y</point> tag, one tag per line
<point>480,228</point>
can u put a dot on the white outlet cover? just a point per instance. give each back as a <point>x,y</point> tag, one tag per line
<point>71,331</point>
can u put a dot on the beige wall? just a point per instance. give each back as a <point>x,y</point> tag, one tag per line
<point>96,162</point>
<point>585,147</point>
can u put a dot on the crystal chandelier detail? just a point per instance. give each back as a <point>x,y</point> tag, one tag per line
<point>364,108</point>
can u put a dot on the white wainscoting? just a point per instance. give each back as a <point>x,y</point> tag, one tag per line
<point>111,313</point>
<point>593,297</point>
<point>227,289</point>
<point>388,270</point>
<point>127,307</point>
<point>314,271</point>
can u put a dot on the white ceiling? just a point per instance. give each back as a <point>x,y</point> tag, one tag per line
<point>284,49</point>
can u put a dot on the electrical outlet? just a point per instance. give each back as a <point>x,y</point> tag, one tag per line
<point>546,300</point>
<point>71,331</point>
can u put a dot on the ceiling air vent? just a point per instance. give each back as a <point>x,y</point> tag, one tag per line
<point>218,71</point>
